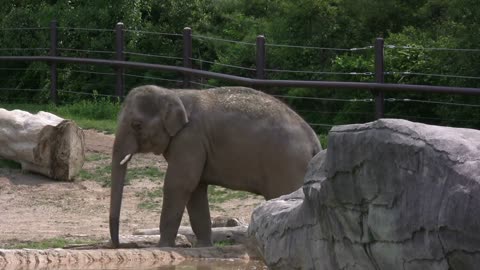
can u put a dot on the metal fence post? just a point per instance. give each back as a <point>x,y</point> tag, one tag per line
<point>260,57</point>
<point>53,65</point>
<point>379,78</point>
<point>120,56</point>
<point>187,55</point>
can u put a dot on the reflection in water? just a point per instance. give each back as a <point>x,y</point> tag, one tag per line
<point>213,265</point>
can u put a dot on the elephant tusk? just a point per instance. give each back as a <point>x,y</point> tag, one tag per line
<point>125,159</point>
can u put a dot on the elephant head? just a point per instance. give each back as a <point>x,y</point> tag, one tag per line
<point>150,117</point>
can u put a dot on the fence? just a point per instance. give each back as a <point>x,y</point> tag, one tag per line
<point>119,63</point>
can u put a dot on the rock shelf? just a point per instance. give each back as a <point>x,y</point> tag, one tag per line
<point>27,259</point>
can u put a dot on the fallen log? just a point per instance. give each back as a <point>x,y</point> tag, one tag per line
<point>42,143</point>
<point>226,235</point>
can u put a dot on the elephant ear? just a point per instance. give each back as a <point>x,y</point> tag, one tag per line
<point>175,116</point>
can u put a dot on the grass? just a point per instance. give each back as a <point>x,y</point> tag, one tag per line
<point>216,195</point>
<point>220,195</point>
<point>49,243</point>
<point>102,172</point>
<point>224,243</point>
<point>217,208</point>
<point>150,199</point>
<point>151,173</point>
<point>107,126</point>
<point>96,157</point>
<point>9,164</point>
<point>99,114</point>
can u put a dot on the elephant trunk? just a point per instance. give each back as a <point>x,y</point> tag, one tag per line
<point>122,152</point>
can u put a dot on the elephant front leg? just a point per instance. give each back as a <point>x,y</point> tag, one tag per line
<point>186,158</point>
<point>174,201</point>
<point>182,178</point>
<point>199,214</point>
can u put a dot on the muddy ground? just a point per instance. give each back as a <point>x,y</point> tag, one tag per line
<point>35,208</point>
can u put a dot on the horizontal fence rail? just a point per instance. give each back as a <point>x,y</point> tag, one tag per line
<point>119,64</point>
<point>249,81</point>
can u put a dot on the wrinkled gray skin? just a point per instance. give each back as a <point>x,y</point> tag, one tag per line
<point>237,138</point>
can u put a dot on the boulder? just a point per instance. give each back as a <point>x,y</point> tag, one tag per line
<point>389,194</point>
<point>42,143</point>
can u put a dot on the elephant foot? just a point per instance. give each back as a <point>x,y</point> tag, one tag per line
<point>166,243</point>
<point>204,243</point>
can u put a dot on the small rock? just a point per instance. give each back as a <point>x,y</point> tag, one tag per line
<point>222,221</point>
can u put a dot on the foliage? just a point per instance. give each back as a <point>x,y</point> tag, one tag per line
<point>346,24</point>
<point>9,164</point>
<point>323,138</point>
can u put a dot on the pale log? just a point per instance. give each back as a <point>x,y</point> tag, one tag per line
<point>42,143</point>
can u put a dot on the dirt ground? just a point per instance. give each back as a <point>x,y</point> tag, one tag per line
<point>34,208</point>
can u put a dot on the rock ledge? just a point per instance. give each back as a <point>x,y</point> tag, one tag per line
<point>16,259</point>
<point>389,194</point>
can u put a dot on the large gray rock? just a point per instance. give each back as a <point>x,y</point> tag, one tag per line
<point>390,194</point>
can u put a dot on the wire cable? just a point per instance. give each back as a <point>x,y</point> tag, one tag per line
<point>87,51</point>
<point>21,89</point>
<point>152,78</point>
<point>430,48</point>
<point>203,84</point>
<point>330,112</point>
<point>223,65</point>
<point>429,118</point>
<point>83,93</point>
<point>23,28</point>
<point>223,40</point>
<point>24,69</point>
<point>23,49</point>
<point>432,102</point>
<point>319,48</point>
<point>326,99</point>
<point>154,55</point>
<point>152,33</point>
<point>86,29</point>
<point>18,100</point>
<point>320,72</point>
<point>432,75</point>
<point>86,71</point>
<point>411,116</point>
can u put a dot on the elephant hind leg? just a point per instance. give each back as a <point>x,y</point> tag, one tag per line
<point>199,214</point>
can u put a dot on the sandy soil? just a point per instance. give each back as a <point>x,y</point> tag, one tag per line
<point>34,208</point>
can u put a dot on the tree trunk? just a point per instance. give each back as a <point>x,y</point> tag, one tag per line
<point>43,143</point>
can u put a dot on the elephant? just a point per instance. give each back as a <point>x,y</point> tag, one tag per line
<point>234,137</point>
